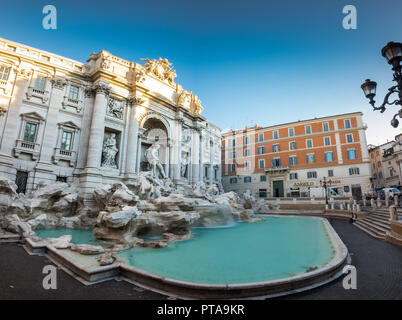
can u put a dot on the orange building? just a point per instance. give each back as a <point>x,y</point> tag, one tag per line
<point>288,159</point>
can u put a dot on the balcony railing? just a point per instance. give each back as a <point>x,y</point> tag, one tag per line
<point>66,155</point>
<point>28,147</point>
<point>38,93</point>
<point>73,103</point>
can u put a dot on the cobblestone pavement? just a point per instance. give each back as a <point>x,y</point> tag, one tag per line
<point>378,264</point>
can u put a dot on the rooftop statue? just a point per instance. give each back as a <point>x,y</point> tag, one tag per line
<point>161,68</point>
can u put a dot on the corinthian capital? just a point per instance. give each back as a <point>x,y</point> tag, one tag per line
<point>102,88</point>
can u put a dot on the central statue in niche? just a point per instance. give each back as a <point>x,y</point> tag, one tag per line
<point>152,155</point>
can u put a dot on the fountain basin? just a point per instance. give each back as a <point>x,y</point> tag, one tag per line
<point>279,256</point>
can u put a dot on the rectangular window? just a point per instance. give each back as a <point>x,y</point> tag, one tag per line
<point>247,179</point>
<point>276,148</point>
<point>263,193</point>
<point>233,143</point>
<point>30,132</point>
<point>309,143</point>
<point>308,129</point>
<point>293,176</point>
<point>329,156</point>
<point>73,94</point>
<point>66,139</point>
<point>310,158</point>
<point>261,150</point>
<point>263,178</point>
<point>349,138</point>
<point>233,167</point>
<point>262,163</point>
<point>325,126</point>
<point>347,123</point>
<point>246,152</point>
<point>276,163</point>
<point>40,83</point>
<point>330,173</point>
<point>233,180</point>
<point>4,72</point>
<point>261,137</point>
<point>246,140</point>
<point>292,160</point>
<point>327,141</point>
<point>233,154</point>
<point>276,134</point>
<point>312,175</point>
<point>291,132</point>
<point>351,154</point>
<point>354,171</point>
<point>292,145</point>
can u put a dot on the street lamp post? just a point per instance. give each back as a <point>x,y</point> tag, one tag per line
<point>393,53</point>
<point>324,185</point>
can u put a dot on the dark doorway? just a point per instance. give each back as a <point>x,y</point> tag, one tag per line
<point>277,187</point>
<point>21,181</point>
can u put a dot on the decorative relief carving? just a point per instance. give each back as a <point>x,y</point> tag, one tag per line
<point>161,69</point>
<point>24,73</point>
<point>106,63</point>
<point>115,108</point>
<point>58,83</point>
<point>139,76</point>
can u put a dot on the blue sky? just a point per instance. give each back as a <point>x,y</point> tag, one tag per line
<point>265,62</point>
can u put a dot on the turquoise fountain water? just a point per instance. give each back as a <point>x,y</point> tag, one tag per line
<point>277,248</point>
<point>78,236</point>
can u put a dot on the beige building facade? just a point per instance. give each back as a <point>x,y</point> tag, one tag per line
<point>92,123</point>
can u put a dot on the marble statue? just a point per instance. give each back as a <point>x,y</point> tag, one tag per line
<point>152,155</point>
<point>109,152</point>
<point>184,164</point>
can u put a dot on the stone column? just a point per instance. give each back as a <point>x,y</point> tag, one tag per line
<point>195,156</point>
<point>177,150</point>
<point>396,200</point>
<point>97,126</point>
<point>211,161</point>
<point>201,167</point>
<point>139,144</point>
<point>132,137</point>
<point>170,172</point>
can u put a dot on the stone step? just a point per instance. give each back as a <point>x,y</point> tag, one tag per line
<point>374,234</point>
<point>378,219</point>
<point>380,223</point>
<point>382,219</point>
<point>373,227</point>
<point>380,214</point>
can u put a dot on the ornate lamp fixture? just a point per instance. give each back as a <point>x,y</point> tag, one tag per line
<point>393,53</point>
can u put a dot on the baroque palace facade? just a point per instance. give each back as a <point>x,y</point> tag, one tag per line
<point>62,120</point>
<point>287,160</point>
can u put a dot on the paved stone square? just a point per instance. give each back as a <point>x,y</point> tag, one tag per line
<point>378,263</point>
